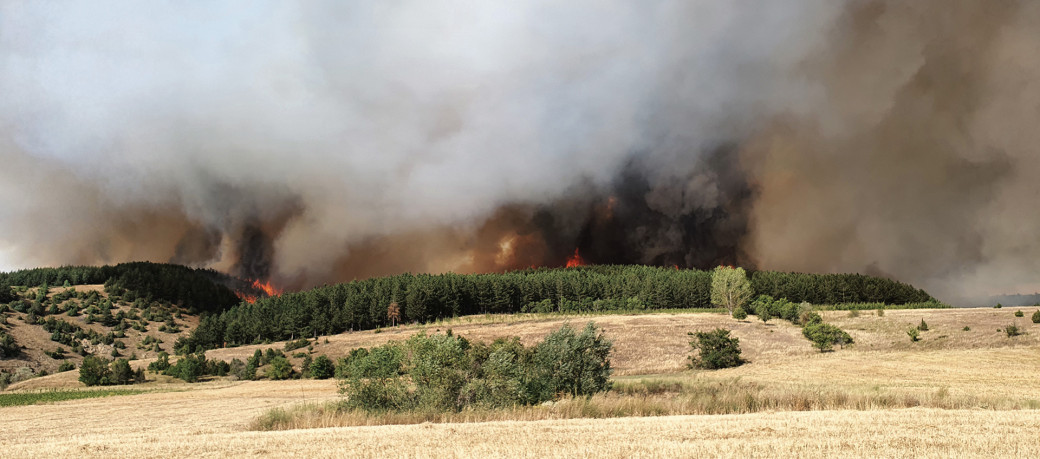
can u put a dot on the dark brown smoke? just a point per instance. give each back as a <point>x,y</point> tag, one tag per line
<point>322,142</point>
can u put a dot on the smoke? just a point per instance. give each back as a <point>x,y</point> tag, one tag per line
<point>323,141</point>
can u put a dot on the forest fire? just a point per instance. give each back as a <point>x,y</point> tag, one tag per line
<point>256,289</point>
<point>575,260</point>
<point>267,288</point>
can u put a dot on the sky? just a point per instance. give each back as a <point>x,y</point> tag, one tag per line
<point>321,141</point>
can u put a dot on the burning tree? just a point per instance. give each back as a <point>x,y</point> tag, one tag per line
<point>393,312</point>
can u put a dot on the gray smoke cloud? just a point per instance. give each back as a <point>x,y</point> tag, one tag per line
<point>321,141</point>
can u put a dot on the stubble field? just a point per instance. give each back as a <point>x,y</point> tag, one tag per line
<point>959,393</point>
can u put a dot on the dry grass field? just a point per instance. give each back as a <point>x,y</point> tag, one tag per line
<point>976,393</point>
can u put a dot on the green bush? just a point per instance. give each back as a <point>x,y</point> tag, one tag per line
<point>715,350</point>
<point>188,368</point>
<point>294,345</point>
<point>914,334</point>
<point>280,368</point>
<point>1012,330</point>
<point>825,336</point>
<point>448,373</point>
<point>121,372</point>
<point>322,368</point>
<point>922,326</point>
<point>739,314</point>
<point>1036,317</point>
<point>161,363</point>
<point>94,371</point>
<point>1019,313</point>
<point>8,347</point>
<point>66,366</point>
<point>572,363</point>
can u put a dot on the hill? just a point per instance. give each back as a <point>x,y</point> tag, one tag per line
<point>963,393</point>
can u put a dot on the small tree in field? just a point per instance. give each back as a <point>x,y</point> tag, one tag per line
<point>94,371</point>
<point>730,288</point>
<point>715,349</point>
<point>739,314</point>
<point>1036,317</point>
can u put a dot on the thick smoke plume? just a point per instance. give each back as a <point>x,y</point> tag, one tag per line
<point>319,142</point>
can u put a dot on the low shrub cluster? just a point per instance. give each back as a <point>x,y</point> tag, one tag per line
<point>446,373</point>
<point>96,371</point>
<point>822,335</point>
<point>715,350</point>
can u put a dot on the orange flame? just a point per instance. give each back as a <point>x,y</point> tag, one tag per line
<point>575,260</point>
<point>267,288</point>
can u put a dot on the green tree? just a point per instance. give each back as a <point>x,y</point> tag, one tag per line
<point>1036,317</point>
<point>121,372</point>
<point>714,350</point>
<point>280,368</point>
<point>94,371</point>
<point>572,363</point>
<point>322,368</point>
<point>730,288</point>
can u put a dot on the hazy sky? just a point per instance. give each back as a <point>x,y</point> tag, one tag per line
<point>324,140</point>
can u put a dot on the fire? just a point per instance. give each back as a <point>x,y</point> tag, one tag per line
<point>575,260</point>
<point>267,288</point>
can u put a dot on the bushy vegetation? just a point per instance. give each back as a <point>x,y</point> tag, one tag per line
<point>8,347</point>
<point>824,336</point>
<point>364,304</point>
<point>96,371</point>
<point>1036,317</point>
<point>715,350</point>
<point>445,372</point>
<point>193,289</point>
<point>190,367</point>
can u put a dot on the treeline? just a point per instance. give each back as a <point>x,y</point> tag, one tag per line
<point>378,302</point>
<point>835,288</point>
<point>190,288</point>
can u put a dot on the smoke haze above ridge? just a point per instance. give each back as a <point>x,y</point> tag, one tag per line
<point>323,141</point>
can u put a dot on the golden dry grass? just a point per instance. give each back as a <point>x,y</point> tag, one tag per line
<point>887,433</point>
<point>949,368</point>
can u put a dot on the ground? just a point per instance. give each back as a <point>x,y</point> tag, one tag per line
<point>990,382</point>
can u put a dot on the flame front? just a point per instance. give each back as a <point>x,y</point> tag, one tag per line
<point>267,288</point>
<point>575,260</point>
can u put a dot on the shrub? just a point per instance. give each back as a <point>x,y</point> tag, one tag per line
<point>714,350</point>
<point>280,368</point>
<point>294,345</point>
<point>730,287</point>
<point>448,373</point>
<point>572,363</point>
<point>1036,317</point>
<point>94,371</point>
<point>853,313</point>
<point>1019,313</point>
<point>8,346</point>
<point>121,372</point>
<point>322,368</point>
<point>966,328</point>
<point>188,368</point>
<point>763,312</point>
<point>66,366</point>
<point>161,363</point>
<point>914,334</point>
<point>739,314</point>
<point>825,336</point>
<point>880,312</point>
<point>922,326</point>
<point>1012,330</point>
<point>810,318</point>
